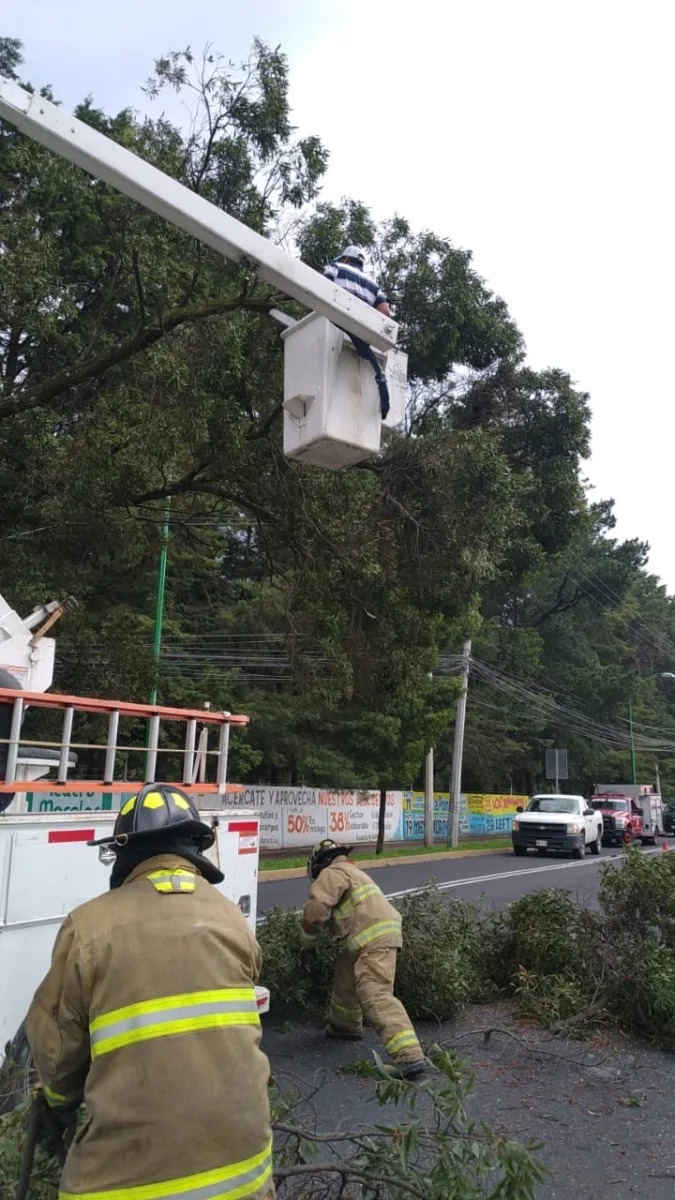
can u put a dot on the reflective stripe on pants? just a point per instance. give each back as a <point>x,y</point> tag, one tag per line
<point>365,986</point>
<point>239,1180</point>
<point>171,1015</point>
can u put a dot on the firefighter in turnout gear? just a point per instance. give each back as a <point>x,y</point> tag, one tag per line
<point>368,931</point>
<point>149,1017</point>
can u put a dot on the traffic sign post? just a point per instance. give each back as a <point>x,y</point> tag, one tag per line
<point>557,766</point>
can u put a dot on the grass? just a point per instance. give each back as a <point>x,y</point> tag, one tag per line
<point>285,864</point>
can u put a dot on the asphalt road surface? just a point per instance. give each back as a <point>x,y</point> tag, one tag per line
<point>603,1108</point>
<point>500,878</point>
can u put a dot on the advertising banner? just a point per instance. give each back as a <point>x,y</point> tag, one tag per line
<point>295,818</point>
<point>479,815</point>
<point>56,802</point>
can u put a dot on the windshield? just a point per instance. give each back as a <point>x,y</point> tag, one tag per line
<point>553,804</point>
<point>611,805</point>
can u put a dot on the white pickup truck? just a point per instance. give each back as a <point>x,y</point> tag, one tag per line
<point>562,823</point>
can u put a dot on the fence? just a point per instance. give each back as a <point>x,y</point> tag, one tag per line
<point>294,818</point>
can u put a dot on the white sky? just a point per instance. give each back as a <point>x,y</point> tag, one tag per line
<point>537,133</point>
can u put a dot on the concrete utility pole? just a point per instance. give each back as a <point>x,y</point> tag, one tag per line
<point>460,720</point>
<point>429,798</point>
<point>429,792</point>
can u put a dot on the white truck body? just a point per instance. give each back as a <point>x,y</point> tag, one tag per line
<point>47,869</point>
<point>557,822</point>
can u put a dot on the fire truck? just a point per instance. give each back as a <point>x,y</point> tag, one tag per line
<point>46,866</point>
<point>630,812</point>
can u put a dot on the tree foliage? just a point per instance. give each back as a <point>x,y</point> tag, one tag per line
<point>139,370</point>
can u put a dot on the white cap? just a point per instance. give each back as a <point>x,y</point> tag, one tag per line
<point>354,252</point>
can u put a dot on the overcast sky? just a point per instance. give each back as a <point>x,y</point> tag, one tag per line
<point>537,133</point>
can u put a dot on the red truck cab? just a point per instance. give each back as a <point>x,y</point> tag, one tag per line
<point>622,819</point>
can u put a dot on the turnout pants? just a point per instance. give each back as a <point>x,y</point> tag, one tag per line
<point>364,987</point>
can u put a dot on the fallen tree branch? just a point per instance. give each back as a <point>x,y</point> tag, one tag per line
<point>349,1172</point>
<point>535,1047</point>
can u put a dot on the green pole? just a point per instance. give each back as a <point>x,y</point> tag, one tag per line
<point>159,607</point>
<point>633,767</point>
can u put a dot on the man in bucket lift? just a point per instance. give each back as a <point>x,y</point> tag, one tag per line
<point>348,272</point>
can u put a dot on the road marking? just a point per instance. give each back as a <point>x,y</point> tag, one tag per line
<point>449,884</point>
<point>446,885</point>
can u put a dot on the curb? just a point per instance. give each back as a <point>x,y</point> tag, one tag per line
<point>371,864</point>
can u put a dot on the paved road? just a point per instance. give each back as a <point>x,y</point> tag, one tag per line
<point>500,877</point>
<point>604,1109</point>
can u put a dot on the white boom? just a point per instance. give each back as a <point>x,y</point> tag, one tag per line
<point>74,140</point>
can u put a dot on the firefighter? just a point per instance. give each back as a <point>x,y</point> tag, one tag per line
<point>148,1015</point>
<point>368,931</point>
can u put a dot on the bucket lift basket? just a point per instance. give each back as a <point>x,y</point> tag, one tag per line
<point>196,753</point>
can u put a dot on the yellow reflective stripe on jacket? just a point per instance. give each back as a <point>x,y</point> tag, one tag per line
<point>372,932</point>
<point>401,1041</point>
<point>176,880</point>
<point>354,899</point>
<point>235,1182</point>
<point>54,1099</point>
<point>170,1015</point>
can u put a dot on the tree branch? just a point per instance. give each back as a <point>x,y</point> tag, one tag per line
<point>344,1168</point>
<point>139,288</point>
<point>191,483</point>
<point>261,431</point>
<point>96,366</point>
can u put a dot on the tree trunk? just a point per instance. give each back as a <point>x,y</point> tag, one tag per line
<point>380,821</point>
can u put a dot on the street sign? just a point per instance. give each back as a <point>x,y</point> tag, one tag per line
<point>556,765</point>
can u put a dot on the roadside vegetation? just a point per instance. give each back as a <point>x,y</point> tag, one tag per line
<point>363,856</point>
<point>562,965</point>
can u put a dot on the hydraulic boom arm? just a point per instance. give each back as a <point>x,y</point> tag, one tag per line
<point>87,148</point>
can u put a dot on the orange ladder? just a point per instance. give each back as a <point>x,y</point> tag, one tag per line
<point>195,756</point>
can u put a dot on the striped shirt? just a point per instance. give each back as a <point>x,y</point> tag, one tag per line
<point>354,280</point>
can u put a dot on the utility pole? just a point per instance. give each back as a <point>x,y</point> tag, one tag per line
<point>429,793</point>
<point>159,606</point>
<point>429,798</point>
<point>458,751</point>
<point>658,779</point>
<point>633,765</point>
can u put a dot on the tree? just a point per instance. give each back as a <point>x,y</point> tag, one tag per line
<point>137,366</point>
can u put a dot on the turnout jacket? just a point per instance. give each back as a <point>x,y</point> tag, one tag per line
<point>361,917</point>
<point>148,1015</point>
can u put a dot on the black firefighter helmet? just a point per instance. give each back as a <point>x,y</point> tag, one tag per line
<point>323,854</point>
<point>156,809</point>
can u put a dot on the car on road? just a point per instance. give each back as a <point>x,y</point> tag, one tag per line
<point>560,823</point>
<point>669,820</point>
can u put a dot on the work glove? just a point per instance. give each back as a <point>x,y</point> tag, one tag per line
<point>308,946</point>
<point>56,1128</point>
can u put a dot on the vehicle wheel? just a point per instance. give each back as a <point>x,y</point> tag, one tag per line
<point>519,851</point>
<point>596,845</point>
<point>580,852</point>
